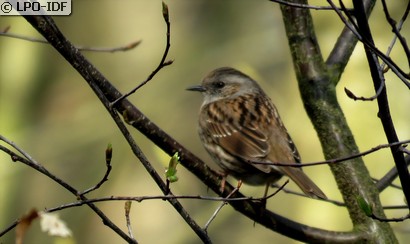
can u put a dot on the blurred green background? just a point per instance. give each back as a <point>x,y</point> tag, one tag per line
<point>49,111</point>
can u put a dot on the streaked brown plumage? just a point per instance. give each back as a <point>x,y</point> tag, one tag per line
<point>239,125</point>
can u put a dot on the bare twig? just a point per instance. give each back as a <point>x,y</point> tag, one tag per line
<point>221,206</point>
<point>392,185</point>
<point>147,198</point>
<point>68,187</point>
<point>299,5</point>
<point>123,48</point>
<point>350,24</point>
<point>108,155</point>
<point>399,27</point>
<point>342,204</point>
<point>405,150</point>
<point>396,29</point>
<point>280,188</point>
<point>343,48</point>
<point>263,199</point>
<point>336,160</point>
<point>163,62</point>
<point>395,207</point>
<point>12,144</point>
<point>382,100</point>
<point>389,62</point>
<point>351,95</point>
<point>400,219</point>
<point>389,177</point>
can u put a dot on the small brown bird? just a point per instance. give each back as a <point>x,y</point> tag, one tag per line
<point>240,127</point>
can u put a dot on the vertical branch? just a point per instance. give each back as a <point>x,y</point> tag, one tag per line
<point>320,101</point>
<point>396,29</point>
<point>343,49</point>
<point>382,100</point>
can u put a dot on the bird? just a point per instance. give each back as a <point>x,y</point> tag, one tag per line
<point>241,129</point>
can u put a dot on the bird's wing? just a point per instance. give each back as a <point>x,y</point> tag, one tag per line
<point>237,128</point>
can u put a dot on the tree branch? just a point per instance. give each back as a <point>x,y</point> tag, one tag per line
<point>386,59</point>
<point>163,61</point>
<point>343,49</point>
<point>41,169</point>
<point>390,176</point>
<point>123,48</point>
<point>382,101</point>
<point>319,97</point>
<point>396,30</point>
<point>301,5</point>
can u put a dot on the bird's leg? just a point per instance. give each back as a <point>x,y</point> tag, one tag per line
<point>223,181</point>
<point>239,184</point>
<point>265,195</point>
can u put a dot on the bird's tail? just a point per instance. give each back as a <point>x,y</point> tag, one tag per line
<point>304,182</point>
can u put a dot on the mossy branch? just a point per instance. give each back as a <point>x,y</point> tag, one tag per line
<point>318,91</point>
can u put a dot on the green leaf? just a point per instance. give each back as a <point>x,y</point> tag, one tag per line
<point>171,171</point>
<point>365,206</point>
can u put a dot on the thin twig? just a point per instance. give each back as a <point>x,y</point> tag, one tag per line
<point>25,154</point>
<point>389,184</point>
<point>349,24</point>
<point>395,207</point>
<point>163,63</point>
<point>343,48</point>
<point>68,187</point>
<point>405,150</point>
<point>280,188</point>
<point>351,95</point>
<point>263,199</point>
<point>389,62</point>
<point>299,5</point>
<point>221,206</point>
<point>388,178</point>
<point>400,219</point>
<point>382,101</point>
<point>336,160</point>
<point>396,29</point>
<point>104,179</point>
<point>167,197</point>
<point>147,198</point>
<point>123,48</point>
<point>399,27</point>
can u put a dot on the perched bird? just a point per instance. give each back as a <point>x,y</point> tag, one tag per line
<point>240,128</point>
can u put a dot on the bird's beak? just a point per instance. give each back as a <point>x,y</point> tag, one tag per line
<point>196,88</point>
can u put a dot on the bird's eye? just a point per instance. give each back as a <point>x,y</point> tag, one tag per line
<point>219,84</point>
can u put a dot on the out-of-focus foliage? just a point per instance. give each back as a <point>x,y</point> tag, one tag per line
<point>48,109</point>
